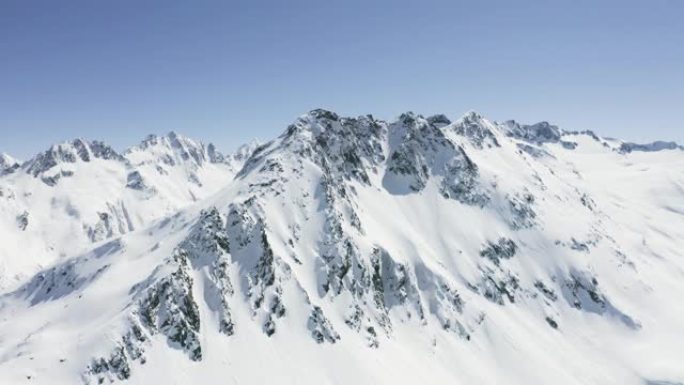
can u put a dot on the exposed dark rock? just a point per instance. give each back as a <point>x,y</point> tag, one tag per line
<point>321,328</point>
<point>522,212</point>
<point>23,220</point>
<point>135,181</point>
<point>475,129</point>
<point>169,307</point>
<point>504,248</point>
<point>626,148</point>
<point>71,152</point>
<point>461,181</point>
<point>552,322</point>
<point>548,292</point>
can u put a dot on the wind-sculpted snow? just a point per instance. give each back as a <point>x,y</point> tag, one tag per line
<point>353,250</point>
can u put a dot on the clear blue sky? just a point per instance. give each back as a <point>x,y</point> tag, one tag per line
<point>227,71</point>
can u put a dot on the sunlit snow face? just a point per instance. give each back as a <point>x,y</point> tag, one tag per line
<point>346,250</point>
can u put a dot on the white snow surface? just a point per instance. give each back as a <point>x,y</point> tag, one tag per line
<point>90,200</point>
<point>349,251</point>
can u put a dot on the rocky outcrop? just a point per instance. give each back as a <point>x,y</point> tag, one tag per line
<point>423,151</point>
<point>114,221</point>
<point>473,127</point>
<point>321,328</point>
<point>627,147</point>
<point>8,164</point>
<point>504,248</point>
<point>538,133</point>
<point>70,152</point>
<point>164,306</point>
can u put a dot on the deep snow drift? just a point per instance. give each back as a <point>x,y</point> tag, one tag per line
<point>347,250</point>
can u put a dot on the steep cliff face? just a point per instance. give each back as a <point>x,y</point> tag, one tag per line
<point>352,249</point>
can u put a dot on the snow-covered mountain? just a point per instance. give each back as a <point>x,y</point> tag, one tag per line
<point>81,192</point>
<point>7,163</point>
<point>351,250</point>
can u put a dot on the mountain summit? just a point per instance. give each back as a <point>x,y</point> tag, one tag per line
<point>80,192</point>
<point>7,163</point>
<point>352,250</point>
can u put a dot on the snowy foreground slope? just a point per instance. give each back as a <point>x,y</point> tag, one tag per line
<point>360,251</point>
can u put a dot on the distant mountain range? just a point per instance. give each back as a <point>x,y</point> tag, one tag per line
<point>346,250</point>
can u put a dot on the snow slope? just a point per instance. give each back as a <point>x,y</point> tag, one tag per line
<point>81,192</point>
<point>353,250</point>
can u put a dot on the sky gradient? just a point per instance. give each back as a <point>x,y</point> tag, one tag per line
<point>227,72</point>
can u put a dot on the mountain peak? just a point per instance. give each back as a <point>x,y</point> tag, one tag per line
<point>421,235</point>
<point>471,115</point>
<point>541,132</point>
<point>7,160</point>
<point>174,149</point>
<point>476,129</point>
<point>246,150</point>
<point>182,140</point>
<point>440,120</point>
<point>73,151</point>
<point>320,113</point>
<point>172,138</point>
<point>171,149</point>
<point>323,125</point>
<point>7,163</point>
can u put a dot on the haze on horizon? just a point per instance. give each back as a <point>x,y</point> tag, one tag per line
<point>227,72</point>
